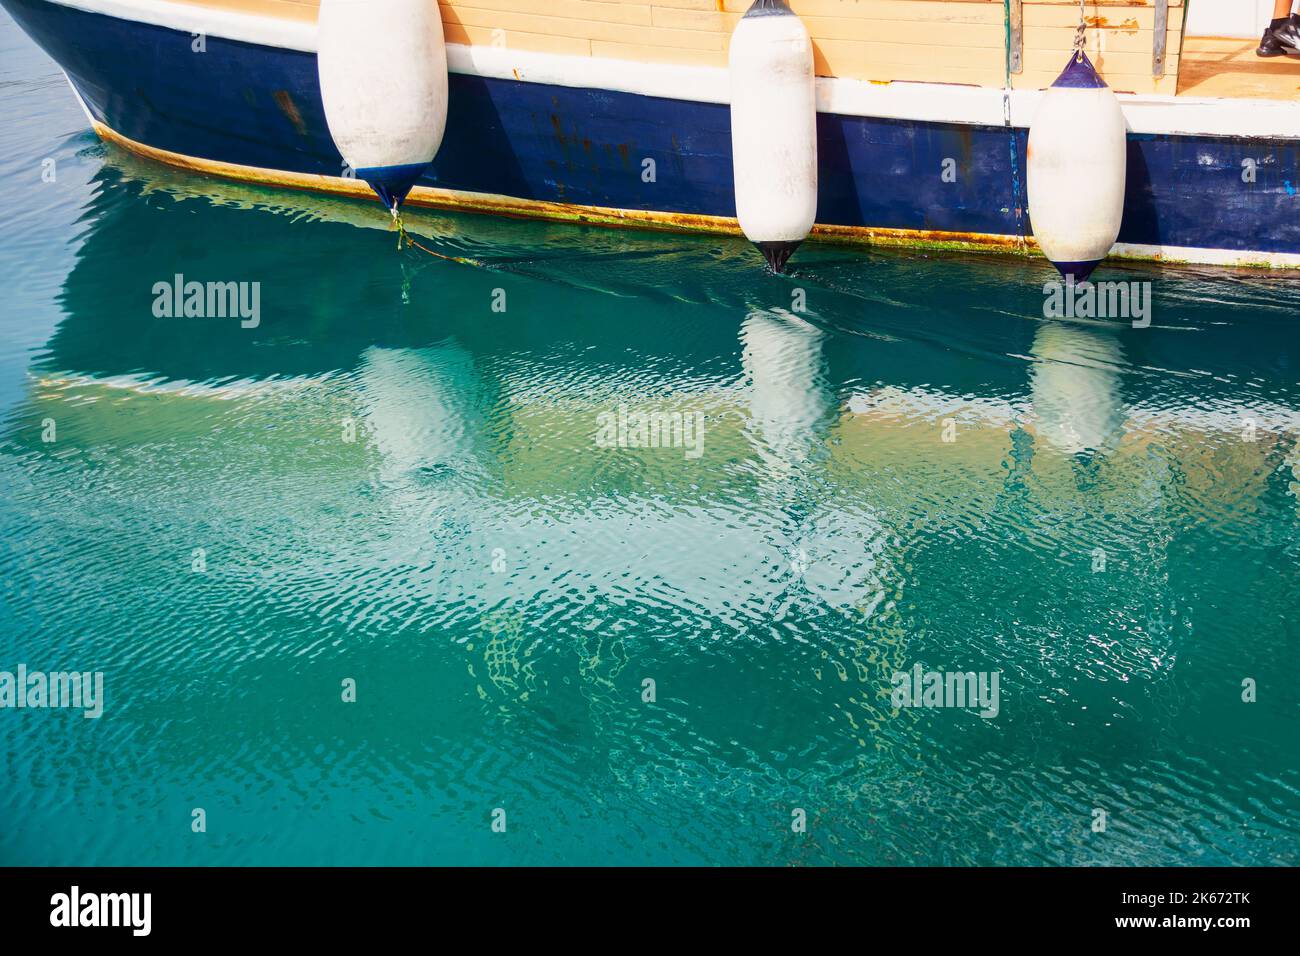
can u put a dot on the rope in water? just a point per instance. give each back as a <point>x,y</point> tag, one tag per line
<point>403,235</point>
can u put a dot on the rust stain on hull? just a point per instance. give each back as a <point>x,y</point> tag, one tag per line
<point>559,130</point>
<point>290,109</point>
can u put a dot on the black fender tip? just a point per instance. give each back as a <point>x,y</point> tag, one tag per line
<point>778,254</point>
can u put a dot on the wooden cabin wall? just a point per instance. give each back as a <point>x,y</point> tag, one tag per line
<point>1120,38</point>
<point>936,41</point>
<point>954,41</point>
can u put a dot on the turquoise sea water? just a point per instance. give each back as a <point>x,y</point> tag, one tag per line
<point>1113,529</point>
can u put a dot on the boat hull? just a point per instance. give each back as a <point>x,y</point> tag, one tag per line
<point>253,111</point>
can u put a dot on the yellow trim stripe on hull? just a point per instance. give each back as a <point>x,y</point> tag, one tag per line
<point>498,205</point>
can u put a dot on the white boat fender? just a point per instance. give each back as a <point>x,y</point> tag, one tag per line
<point>1076,165</point>
<point>773,129</point>
<point>383,81</point>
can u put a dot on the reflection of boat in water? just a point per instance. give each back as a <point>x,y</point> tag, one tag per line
<point>755,375</point>
<point>618,113</point>
<point>824,483</point>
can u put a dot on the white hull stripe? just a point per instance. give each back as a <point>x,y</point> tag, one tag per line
<point>1187,255</point>
<point>210,21</point>
<point>918,102</point>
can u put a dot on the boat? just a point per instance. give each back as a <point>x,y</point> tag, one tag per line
<point>617,112</point>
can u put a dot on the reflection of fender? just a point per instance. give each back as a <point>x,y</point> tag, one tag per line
<point>833,550</point>
<point>422,409</point>
<point>1074,387</point>
<point>782,358</point>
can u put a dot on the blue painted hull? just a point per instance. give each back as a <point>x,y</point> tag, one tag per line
<point>260,106</point>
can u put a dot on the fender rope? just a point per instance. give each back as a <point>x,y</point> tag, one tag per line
<point>403,235</point>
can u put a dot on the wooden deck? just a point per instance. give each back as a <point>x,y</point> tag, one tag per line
<point>283,9</point>
<point>1215,66</point>
<point>878,40</point>
<point>934,41</point>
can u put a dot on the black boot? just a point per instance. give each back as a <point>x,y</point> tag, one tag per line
<point>1287,33</point>
<point>1269,46</point>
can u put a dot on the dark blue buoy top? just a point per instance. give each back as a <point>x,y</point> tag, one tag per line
<point>1079,74</point>
<point>768,8</point>
<point>392,183</point>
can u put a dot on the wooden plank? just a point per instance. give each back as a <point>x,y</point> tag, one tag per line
<point>861,9</point>
<point>517,40</point>
<point>572,9</point>
<point>642,53</point>
<point>691,19</point>
<point>956,11</point>
<point>280,9</point>
<point>941,41</point>
<point>1112,62</point>
<point>1234,48</point>
<point>959,36</point>
<point>678,4</point>
<point>1110,41</point>
<point>1090,5</point>
<point>913,62</point>
<point>582,29</point>
<point>1213,66</point>
<point>1214,45</point>
<point>909,54</point>
<point>1122,18</point>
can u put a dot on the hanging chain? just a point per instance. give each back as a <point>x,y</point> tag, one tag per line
<point>1079,32</point>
